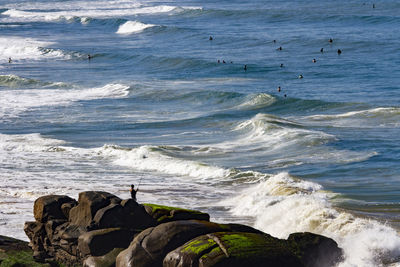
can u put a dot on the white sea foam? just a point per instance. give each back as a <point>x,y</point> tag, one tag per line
<point>18,48</point>
<point>269,135</point>
<point>133,27</point>
<point>86,12</point>
<point>376,117</point>
<point>257,101</point>
<point>283,204</point>
<point>146,158</point>
<point>13,102</point>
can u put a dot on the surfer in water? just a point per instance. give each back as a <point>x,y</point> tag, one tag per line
<point>245,68</point>
<point>133,192</point>
<point>9,60</point>
<point>339,51</point>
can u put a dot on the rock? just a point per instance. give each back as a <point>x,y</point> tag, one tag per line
<point>50,227</point>
<point>88,204</point>
<point>136,216</point>
<point>129,214</point>
<point>135,254</point>
<point>69,232</point>
<point>233,249</point>
<point>164,214</point>
<point>100,242</point>
<point>315,250</point>
<point>66,208</point>
<point>37,234</point>
<point>49,207</point>
<point>12,244</point>
<point>107,260</point>
<point>66,237</point>
<point>150,246</point>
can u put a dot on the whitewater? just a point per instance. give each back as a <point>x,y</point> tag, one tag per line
<point>97,95</point>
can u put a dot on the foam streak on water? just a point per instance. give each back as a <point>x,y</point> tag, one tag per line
<point>159,101</point>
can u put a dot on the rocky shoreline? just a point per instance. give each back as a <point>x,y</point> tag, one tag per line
<point>100,229</point>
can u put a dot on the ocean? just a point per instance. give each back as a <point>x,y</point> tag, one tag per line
<point>98,95</point>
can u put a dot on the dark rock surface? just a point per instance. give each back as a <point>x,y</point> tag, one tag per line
<point>49,207</point>
<point>233,249</point>
<point>100,229</point>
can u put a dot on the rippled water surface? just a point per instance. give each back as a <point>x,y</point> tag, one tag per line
<point>158,102</point>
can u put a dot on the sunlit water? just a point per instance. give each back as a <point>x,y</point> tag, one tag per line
<point>161,105</point>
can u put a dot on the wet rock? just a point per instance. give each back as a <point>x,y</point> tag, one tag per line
<point>315,250</point>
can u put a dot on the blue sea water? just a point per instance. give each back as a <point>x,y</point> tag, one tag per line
<point>160,103</point>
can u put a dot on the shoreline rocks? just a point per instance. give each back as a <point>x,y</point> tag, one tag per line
<point>101,229</point>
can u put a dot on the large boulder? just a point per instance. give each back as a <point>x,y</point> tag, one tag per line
<point>129,214</point>
<point>315,250</point>
<point>151,246</point>
<point>163,214</point>
<point>89,203</point>
<point>49,207</point>
<point>233,249</point>
<point>107,260</point>
<point>100,242</point>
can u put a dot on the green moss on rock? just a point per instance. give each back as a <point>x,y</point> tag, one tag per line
<point>164,214</point>
<point>198,246</point>
<point>14,252</point>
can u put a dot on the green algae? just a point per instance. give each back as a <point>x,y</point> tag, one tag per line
<point>157,208</point>
<point>22,258</point>
<point>215,251</point>
<point>166,213</point>
<point>198,246</point>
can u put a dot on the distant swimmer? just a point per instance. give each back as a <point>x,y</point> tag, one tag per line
<point>279,88</point>
<point>330,40</point>
<point>279,48</point>
<point>89,57</point>
<point>285,95</point>
<point>281,65</point>
<point>211,38</point>
<point>301,76</point>
<point>223,61</point>
<point>133,192</point>
<point>373,5</point>
<point>274,41</point>
<point>219,61</point>
<point>339,51</point>
<point>245,68</point>
<point>322,50</point>
<point>314,60</point>
<point>9,60</point>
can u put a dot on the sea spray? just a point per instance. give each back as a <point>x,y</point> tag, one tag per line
<point>283,204</point>
<point>133,27</point>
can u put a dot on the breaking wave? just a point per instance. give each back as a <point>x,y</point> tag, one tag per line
<point>282,204</point>
<point>133,27</point>
<point>14,102</point>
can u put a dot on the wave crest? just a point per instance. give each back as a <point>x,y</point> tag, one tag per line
<point>283,204</point>
<point>133,27</point>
